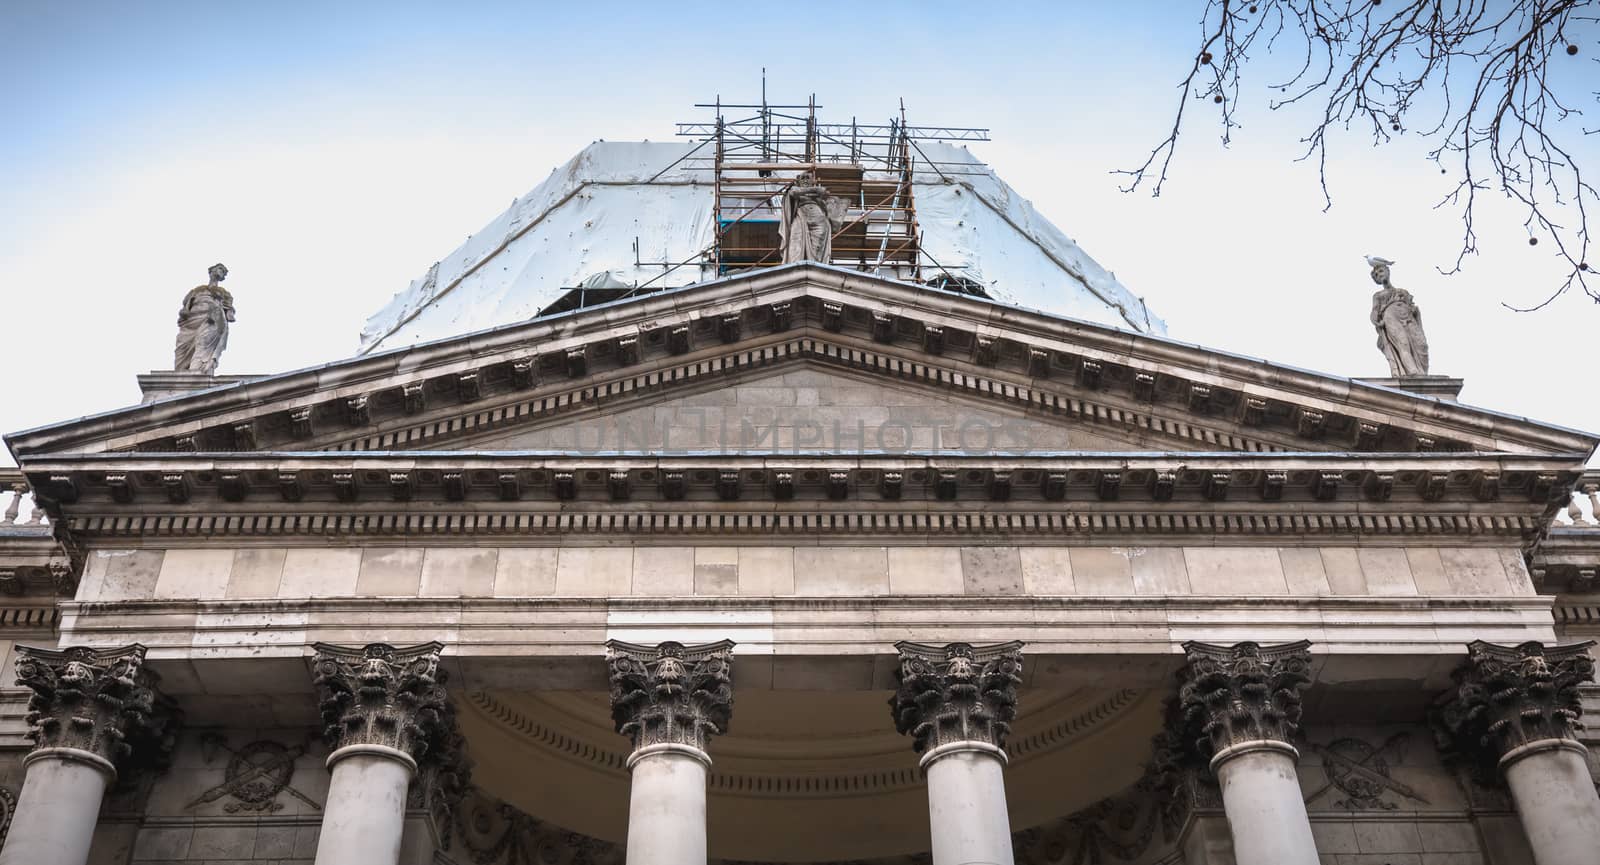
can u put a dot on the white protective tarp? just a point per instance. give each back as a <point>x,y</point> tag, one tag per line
<point>590,214</point>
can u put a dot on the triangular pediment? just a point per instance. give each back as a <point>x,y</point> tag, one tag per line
<point>805,406</point>
<point>1090,386</point>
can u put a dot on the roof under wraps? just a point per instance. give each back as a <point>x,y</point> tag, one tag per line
<point>652,216</point>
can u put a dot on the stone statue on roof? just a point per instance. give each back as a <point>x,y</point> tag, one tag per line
<point>203,325</point>
<point>810,218</point>
<point>1399,323</point>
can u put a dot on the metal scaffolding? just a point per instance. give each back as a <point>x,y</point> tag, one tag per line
<point>759,153</point>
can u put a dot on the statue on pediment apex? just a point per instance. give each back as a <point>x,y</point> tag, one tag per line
<point>203,325</point>
<point>1399,324</point>
<point>809,219</point>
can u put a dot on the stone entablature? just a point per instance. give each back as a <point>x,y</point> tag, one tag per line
<point>1122,641</point>
<point>1519,484</point>
<point>763,566</point>
<point>1150,499</point>
<point>870,323</point>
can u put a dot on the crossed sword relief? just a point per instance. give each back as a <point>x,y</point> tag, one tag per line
<point>252,769</point>
<point>1363,766</point>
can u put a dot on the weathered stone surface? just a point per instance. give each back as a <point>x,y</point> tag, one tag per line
<point>669,693</point>
<point>458,572</point>
<point>391,572</point>
<point>1399,324</point>
<point>380,695</point>
<point>1241,693</point>
<point>320,573</point>
<point>1506,697</point>
<point>956,693</point>
<point>94,700</point>
<point>926,571</point>
<point>203,325</point>
<point>199,573</point>
<point>256,572</point>
<point>524,572</point>
<point>716,570</point>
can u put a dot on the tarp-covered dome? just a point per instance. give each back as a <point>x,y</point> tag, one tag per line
<point>630,208</point>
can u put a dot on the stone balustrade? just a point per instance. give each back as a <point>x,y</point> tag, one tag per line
<point>1583,509</point>
<point>19,507</point>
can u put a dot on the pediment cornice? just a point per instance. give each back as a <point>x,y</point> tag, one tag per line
<point>176,498</point>
<point>432,394</point>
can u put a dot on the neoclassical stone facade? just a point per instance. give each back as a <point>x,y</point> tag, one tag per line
<point>799,566</point>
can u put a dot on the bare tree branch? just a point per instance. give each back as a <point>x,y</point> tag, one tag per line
<point>1484,67</point>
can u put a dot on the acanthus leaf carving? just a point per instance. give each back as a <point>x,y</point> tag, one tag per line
<point>1241,693</point>
<point>1506,697</point>
<point>101,701</point>
<point>669,693</point>
<point>386,696</point>
<point>957,692</point>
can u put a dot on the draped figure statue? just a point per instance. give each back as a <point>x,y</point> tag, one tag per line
<point>203,325</point>
<point>1399,324</point>
<point>810,217</point>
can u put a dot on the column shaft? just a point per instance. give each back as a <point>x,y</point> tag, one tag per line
<point>957,702</point>
<point>90,709</point>
<point>1261,796</point>
<point>669,699</point>
<point>667,808</point>
<point>967,809</point>
<point>1556,800</point>
<point>1514,712</point>
<point>1238,708</point>
<point>56,812</point>
<point>383,710</point>
<point>364,817</point>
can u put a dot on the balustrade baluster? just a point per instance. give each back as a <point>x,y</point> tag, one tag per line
<point>10,516</point>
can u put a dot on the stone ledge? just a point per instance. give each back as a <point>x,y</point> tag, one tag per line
<point>263,648</point>
<point>160,384</point>
<point>1441,387</point>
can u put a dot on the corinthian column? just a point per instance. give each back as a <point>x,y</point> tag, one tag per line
<point>384,710</point>
<point>957,702</point>
<point>88,706</point>
<point>1513,712</point>
<point>670,699</point>
<point>1238,709</point>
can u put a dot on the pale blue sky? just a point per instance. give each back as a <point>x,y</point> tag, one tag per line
<point>329,153</point>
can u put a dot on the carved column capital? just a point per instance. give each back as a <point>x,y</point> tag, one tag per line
<point>99,702</point>
<point>385,699</point>
<point>1509,697</point>
<point>669,693</point>
<point>956,693</point>
<point>1243,693</point>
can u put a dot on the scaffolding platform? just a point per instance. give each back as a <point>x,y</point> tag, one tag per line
<point>764,150</point>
